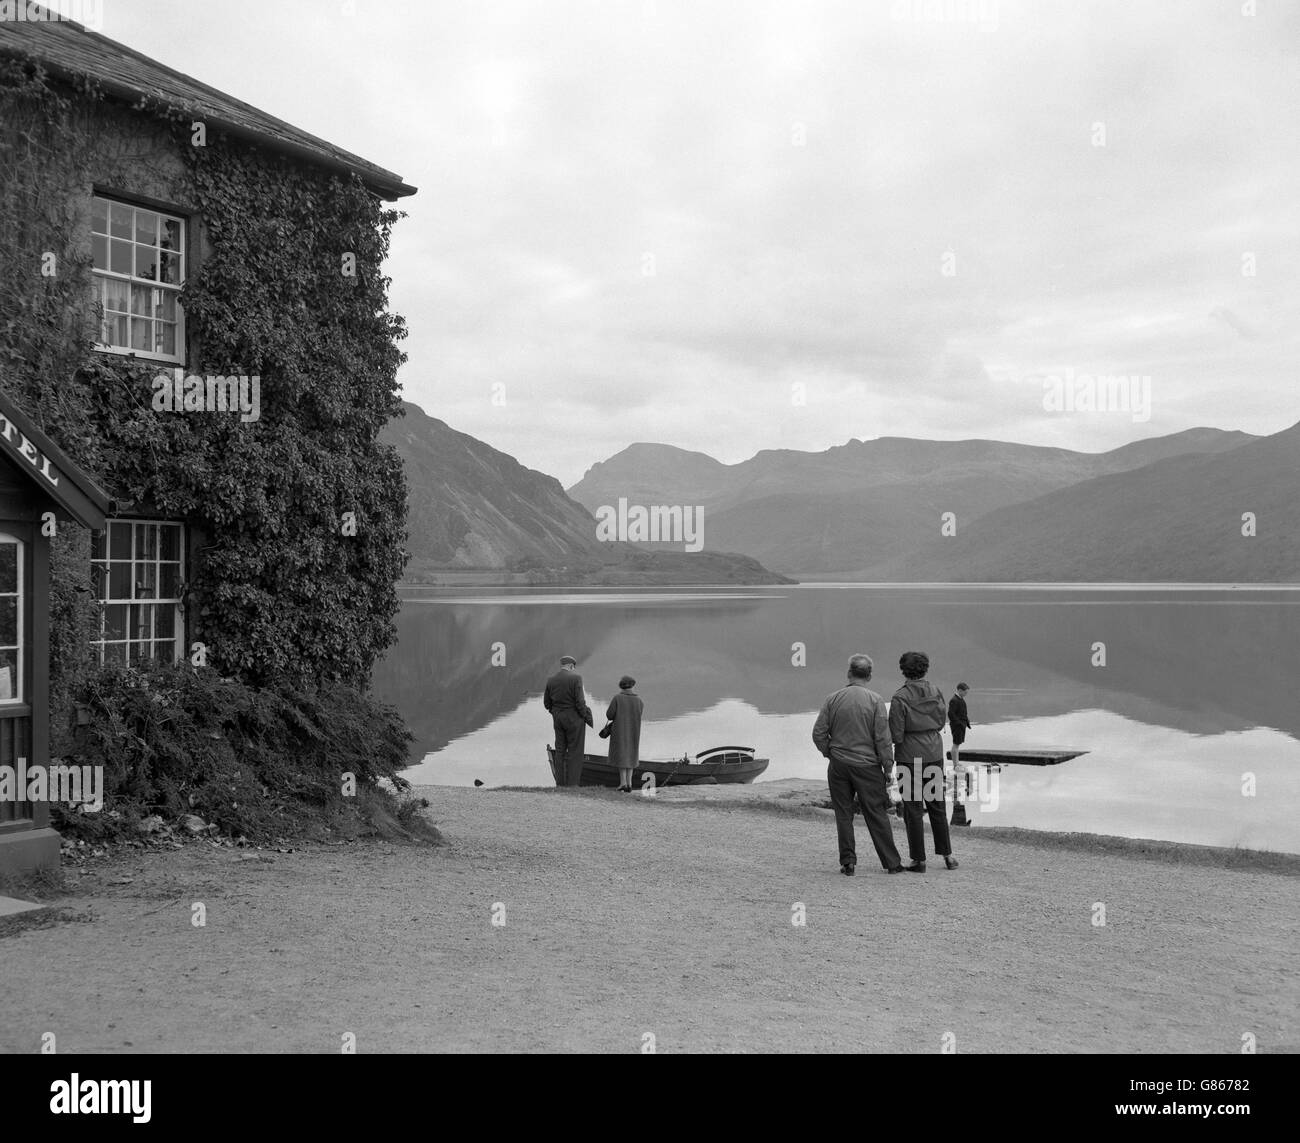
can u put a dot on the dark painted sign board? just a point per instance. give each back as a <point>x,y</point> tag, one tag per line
<point>40,489</point>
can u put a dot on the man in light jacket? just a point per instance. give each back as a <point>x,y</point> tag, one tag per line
<point>852,732</point>
<point>917,713</point>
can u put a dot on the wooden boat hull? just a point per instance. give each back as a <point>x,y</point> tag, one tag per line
<point>597,771</point>
<point>1018,757</point>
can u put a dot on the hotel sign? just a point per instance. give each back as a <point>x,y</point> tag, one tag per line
<point>17,441</point>
<point>34,454</point>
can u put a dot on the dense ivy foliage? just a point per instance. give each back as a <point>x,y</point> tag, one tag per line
<point>261,762</point>
<point>281,592</point>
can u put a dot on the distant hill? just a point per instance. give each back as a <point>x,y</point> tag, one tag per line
<point>1178,519</point>
<point>864,502</point>
<point>473,508</point>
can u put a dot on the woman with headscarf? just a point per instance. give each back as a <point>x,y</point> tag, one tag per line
<point>917,713</point>
<point>624,715</point>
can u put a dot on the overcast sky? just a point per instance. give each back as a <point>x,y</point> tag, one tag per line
<point>651,220</point>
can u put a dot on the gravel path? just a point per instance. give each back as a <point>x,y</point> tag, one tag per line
<point>626,917</point>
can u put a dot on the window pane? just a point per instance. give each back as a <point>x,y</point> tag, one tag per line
<point>119,541</point>
<point>169,581</point>
<point>115,621</point>
<point>146,581</point>
<point>170,536</point>
<point>99,216</point>
<point>170,269</point>
<point>146,227</point>
<point>146,263</point>
<point>119,581</point>
<point>146,541</point>
<point>114,331</point>
<point>139,623</point>
<point>8,621</point>
<point>165,623</point>
<point>120,257</point>
<point>8,567</point>
<point>120,218</point>
<point>166,302</point>
<point>10,684</point>
<point>135,652</point>
<point>115,294</point>
<point>171,234</point>
<point>114,653</point>
<point>166,337</point>
<point>140,300</point>
<point>140,334</point>
<point>99,245</point>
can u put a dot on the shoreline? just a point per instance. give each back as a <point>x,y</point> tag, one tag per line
<point>808,798</point>
<point>488,579</point>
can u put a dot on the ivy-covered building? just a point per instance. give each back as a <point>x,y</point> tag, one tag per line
<point>193,310</point>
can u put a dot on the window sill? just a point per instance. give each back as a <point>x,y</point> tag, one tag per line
<point>141,354</point>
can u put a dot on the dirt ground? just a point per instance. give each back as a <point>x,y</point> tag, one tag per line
<point>622,918</point>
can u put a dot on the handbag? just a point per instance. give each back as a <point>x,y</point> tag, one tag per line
<point>605,730</point>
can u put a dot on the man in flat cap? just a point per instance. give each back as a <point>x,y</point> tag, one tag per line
<point>567,702</point>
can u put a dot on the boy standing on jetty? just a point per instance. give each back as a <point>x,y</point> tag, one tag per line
<point>852,732</point>
<point>959,722</point>
<point>565,698</point>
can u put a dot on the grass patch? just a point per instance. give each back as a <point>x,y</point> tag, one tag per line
<point>38,885</point>
<point>19,923</point>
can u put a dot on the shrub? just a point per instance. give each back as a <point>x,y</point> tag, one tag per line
<point>259,762</point>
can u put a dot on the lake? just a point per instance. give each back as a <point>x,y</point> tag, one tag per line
<point>1197,693</point>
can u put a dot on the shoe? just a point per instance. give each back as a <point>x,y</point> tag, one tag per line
<point>847,870</point>
<point>950,861</point>
<point>916,867</point>
<point>896,869</point>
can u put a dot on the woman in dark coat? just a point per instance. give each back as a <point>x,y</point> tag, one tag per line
<point>917,713</point>
<point>625,734</point>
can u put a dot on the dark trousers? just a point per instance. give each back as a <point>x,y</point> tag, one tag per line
<point>868,783</point>
<point>570,746</point>
<point>928,779</point>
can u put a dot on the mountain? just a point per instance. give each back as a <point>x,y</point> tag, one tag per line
<point>829,513</point>
<point>1178,519</point>
<point>472,508</point>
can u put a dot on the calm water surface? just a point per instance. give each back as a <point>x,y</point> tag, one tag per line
<point>1199,688</point>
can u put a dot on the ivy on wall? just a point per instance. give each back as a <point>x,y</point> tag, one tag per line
<point>287,584</point>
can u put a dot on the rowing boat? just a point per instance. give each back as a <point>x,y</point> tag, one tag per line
<point>1018,757</point>
<point>720,765</point>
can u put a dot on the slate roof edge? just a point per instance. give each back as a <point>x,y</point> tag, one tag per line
<point>325,154</point>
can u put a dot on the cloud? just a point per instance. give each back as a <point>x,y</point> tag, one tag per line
<point>651,221</point>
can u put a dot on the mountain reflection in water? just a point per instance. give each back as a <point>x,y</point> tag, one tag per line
<point>1198,688</point>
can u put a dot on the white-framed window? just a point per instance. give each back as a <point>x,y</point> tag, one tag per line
<point>139,269</point>
<point>11,619</point>
<point>138,567</point>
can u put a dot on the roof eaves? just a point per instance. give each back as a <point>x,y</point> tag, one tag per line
<point>387,183</point>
